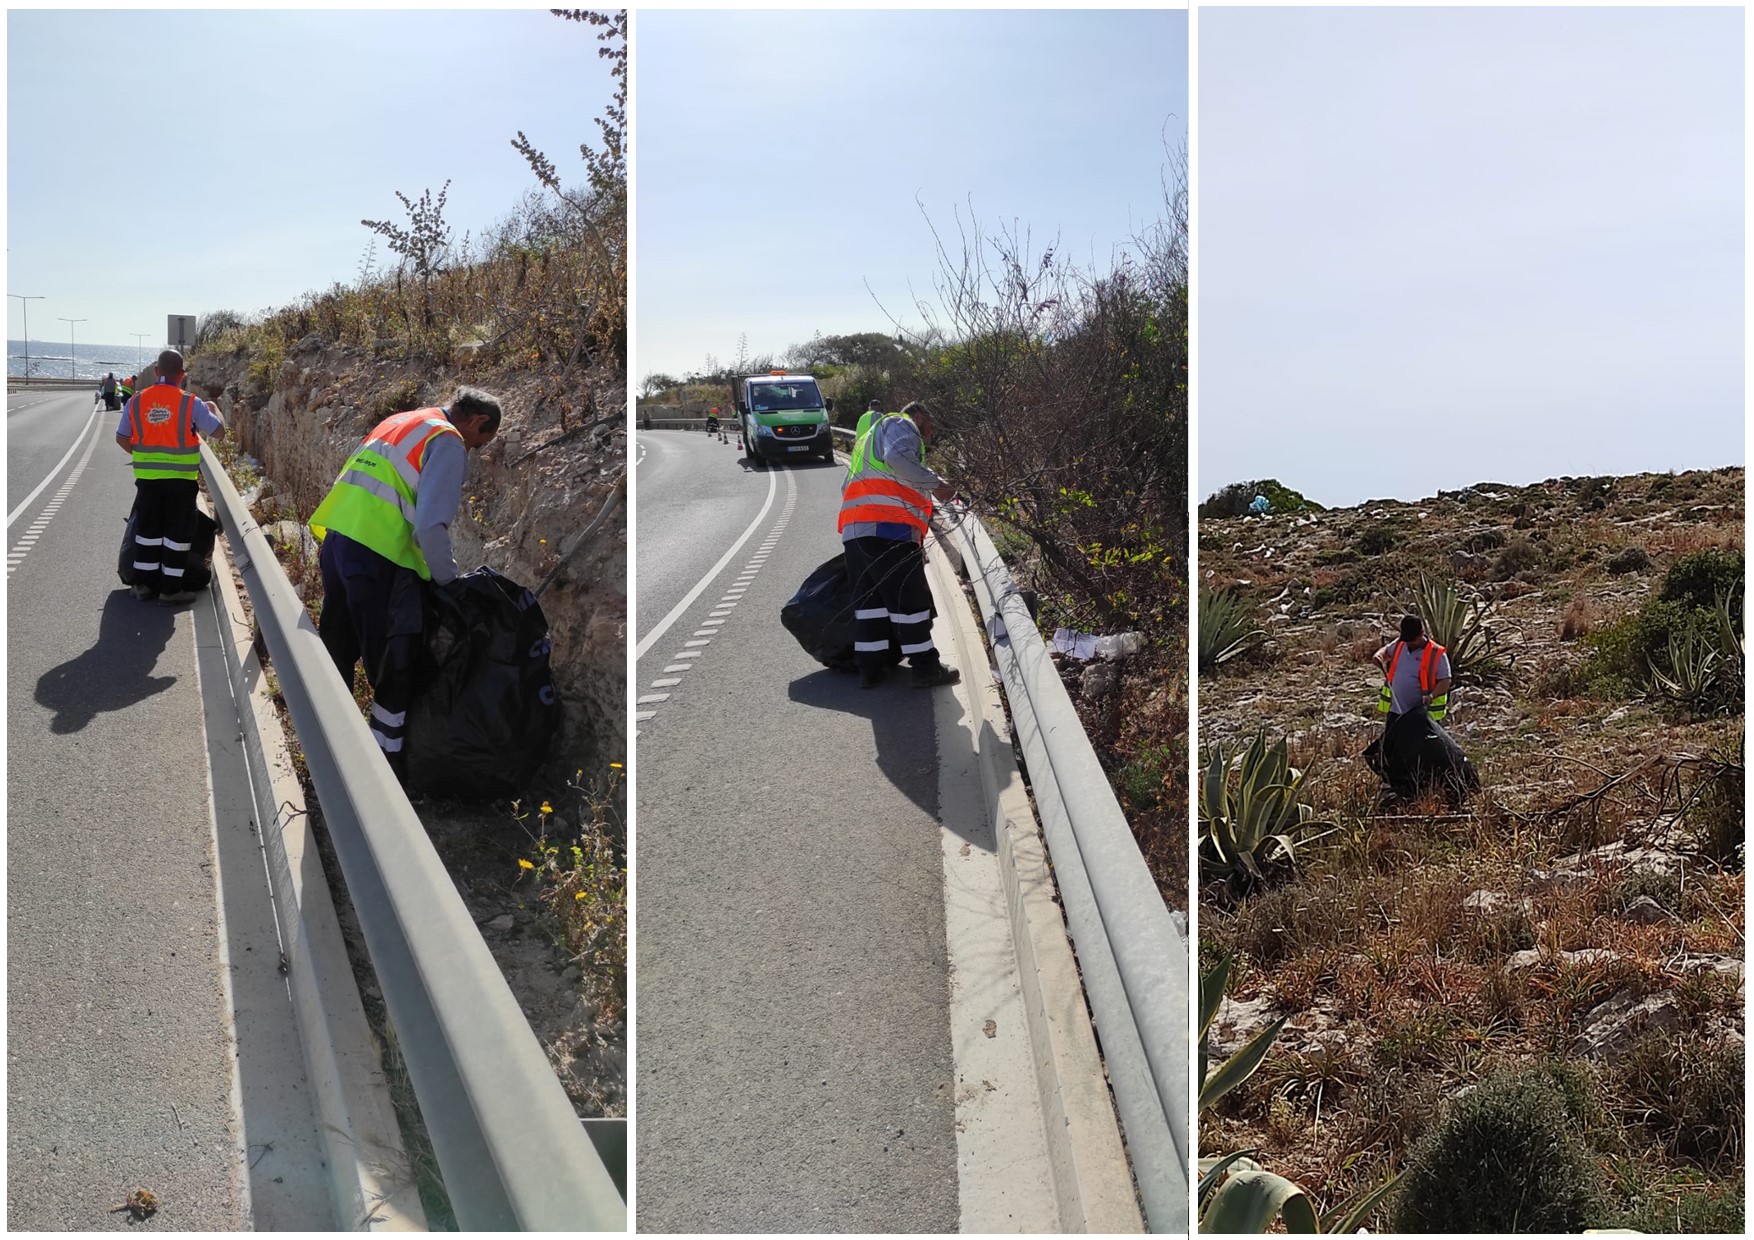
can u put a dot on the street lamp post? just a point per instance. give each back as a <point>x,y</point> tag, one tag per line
<point>139,365</point>
<point>24,305</point>
<point>72,348</point>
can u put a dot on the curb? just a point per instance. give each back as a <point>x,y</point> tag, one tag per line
<point>1092,1181</point>
<point>371,1185</point>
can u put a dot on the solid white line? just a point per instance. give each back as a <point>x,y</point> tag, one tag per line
<point>649,639</point>
<point>77,439</point>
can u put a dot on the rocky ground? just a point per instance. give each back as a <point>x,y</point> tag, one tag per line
<point>1580,912</point>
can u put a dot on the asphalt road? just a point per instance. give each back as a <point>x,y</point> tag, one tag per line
<point>122,1063</point>
<point>794,1057</point>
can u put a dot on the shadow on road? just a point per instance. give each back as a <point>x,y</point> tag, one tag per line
<point>117,671</point>
<point>902,731</point>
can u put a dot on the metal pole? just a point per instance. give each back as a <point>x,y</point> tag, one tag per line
<point>24,305</point>
<point>72,349</point>
<point>139,365</point>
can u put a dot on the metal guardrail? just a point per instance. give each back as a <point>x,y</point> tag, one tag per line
<point>45,383</point>
<point>513,1153</point>
<point>1133,960</point>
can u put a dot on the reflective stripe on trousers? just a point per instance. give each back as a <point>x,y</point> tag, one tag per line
<point>891,601</point>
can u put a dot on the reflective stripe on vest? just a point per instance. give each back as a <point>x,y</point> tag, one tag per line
<point>873,493</point>
<point>373,501</point>
<point>1427,681</point>
<point>161,434</point>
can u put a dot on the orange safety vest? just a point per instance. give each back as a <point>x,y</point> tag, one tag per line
<point>1427,679</point>
<point>872,492</point>
<point>162,435</point>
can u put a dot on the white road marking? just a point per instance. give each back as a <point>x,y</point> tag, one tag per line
<point>30,536</point>
<point>709,629</point>
<point>58,464</point>
<point>650,639</point>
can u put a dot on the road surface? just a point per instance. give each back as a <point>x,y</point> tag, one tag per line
<point>146,1016</point>
<point>796,1069</point>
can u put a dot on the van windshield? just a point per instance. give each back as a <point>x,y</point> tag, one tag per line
<point>787,394</point>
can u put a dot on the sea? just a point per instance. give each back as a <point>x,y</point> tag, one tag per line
<point>52,359</point>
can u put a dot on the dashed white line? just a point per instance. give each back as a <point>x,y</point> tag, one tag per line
<point>41,486</point>
<point>28,539</point>
<point>710,627</point>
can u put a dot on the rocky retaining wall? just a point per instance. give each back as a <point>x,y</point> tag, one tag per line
<point>527,495</point>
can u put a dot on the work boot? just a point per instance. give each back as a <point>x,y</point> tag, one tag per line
<point>178,597</point>
<point>144,593</point>
<point>935,674</point>
<point>872,674</point>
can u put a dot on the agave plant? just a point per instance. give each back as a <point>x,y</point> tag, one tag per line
<point>1694,668</point>
<point>1236,1194</point>
<point>1251,814</point>
<point>1227,628</point>
<point>1460,627</point>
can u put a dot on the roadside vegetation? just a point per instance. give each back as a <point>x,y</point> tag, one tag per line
<point>1528,1007</point>
<point>1060,396</point>
<point>534,310</point>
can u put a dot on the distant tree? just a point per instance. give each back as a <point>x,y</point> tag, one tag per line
<point>652,384</point>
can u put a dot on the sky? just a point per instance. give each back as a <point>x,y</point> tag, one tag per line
<point>132,197</point>
<point>1436,247</point>
<point>783,159</point>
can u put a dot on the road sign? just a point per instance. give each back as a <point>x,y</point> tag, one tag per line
<point>181,332</point>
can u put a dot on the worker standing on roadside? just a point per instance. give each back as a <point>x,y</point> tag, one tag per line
<point>1416,673</point>
<point>384,529</point>
<point>886,504</point>
<point>158,430</point>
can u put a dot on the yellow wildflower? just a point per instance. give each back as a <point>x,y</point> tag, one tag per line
<point>547,808</point>
<point>615,765</point>
<point>525,864</point>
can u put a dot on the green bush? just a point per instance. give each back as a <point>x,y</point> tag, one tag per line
<point>1503,1158</point>
<point>1234,500</point>
<point>1376,539</point>
<point>1696,580</point>
<point>1519,557</point>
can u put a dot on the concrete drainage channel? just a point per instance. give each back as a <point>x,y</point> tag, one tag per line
<point>512,1152</point>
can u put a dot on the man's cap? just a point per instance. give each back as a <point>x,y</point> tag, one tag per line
<point>170,362</point>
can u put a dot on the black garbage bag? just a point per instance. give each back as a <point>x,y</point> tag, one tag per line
<point>820,615</point>
<point>1415,755</point>
<point>197,566</point>
<point>485,708</point>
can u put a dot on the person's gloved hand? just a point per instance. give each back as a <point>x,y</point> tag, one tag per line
<point>451,590</point>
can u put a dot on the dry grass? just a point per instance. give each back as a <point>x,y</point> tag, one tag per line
<point>1398,991</point>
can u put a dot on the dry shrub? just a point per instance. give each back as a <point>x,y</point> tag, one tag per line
<point>1576,621</point>
<point>1686,539</point>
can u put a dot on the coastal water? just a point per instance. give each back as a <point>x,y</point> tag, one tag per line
<point>50,359</point>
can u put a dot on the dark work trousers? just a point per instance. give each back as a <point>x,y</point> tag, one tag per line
<point>164,522</point>
<point>890,596</point>
<point>373,609</point>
